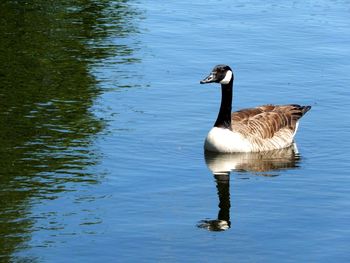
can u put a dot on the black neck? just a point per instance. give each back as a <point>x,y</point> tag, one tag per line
<point>224,118</point>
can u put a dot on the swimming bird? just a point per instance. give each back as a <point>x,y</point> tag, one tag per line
<point>263,128</point>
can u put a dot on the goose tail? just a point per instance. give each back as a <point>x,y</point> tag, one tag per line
<point>305,109</point>
<point>302,111</point>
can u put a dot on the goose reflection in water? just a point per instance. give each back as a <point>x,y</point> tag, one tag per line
<point>260,163</point>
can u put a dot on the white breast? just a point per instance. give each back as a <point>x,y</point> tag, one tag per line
<point>225,140</point>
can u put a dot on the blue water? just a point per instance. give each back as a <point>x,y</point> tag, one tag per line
<point>140,188</point>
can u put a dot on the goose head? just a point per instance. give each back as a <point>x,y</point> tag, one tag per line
<point>220,74</point>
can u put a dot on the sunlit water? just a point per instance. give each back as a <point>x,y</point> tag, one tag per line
<point>103,121</point>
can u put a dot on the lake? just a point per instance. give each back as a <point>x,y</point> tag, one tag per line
<point>103,122</point>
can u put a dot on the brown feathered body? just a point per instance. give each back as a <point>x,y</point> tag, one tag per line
<point>264,128</point>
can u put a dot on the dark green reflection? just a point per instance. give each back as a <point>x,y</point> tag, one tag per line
<point>46,91</point>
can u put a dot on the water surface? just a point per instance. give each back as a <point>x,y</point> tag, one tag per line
<point>103,121</point>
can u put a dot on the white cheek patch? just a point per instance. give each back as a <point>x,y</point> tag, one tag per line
<point>227,78</point>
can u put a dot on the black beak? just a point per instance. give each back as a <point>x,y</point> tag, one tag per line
<point>211,78</point>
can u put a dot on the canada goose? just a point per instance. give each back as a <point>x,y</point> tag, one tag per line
<point>264,128</point>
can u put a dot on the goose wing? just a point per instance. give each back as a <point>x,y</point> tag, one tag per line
<point>266,121</point>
